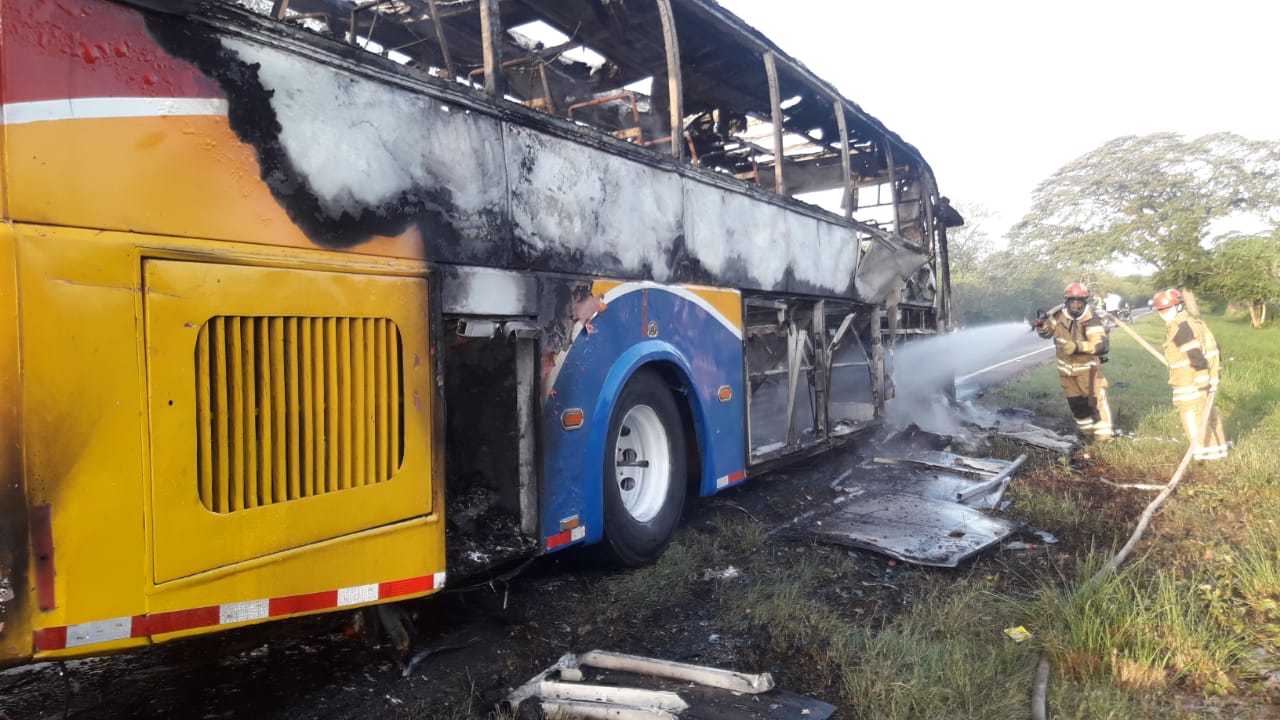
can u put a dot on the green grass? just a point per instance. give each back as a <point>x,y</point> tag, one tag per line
<point>1189,616</point>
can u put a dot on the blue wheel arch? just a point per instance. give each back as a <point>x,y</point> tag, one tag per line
<point>647,354</point>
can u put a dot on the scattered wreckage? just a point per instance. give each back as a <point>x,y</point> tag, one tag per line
<point>600,684</point>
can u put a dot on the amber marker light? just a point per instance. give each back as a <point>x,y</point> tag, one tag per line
<point>725,393</point>
<point>571,419</point>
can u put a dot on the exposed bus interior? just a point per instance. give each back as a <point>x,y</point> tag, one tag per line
<point>490,509</point>
<point>811,372</point>
<point>633,71</point>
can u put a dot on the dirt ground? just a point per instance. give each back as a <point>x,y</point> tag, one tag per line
<point>473,645</point>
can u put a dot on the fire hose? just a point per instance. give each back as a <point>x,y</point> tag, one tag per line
<point>1039,692</point>
<point>1155,353</point>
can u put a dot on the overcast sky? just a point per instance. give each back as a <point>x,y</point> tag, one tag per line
<point>998,95</point>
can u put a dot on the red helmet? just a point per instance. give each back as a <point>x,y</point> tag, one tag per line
<point>1076,291</point>
<point>1166,299</point>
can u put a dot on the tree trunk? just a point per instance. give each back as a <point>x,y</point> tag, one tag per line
<point>1257,313</point>
<point>1189,300</point>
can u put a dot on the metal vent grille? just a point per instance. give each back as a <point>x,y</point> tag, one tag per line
<point>292,407</point>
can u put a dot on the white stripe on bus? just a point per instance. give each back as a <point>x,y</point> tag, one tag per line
<point>630,287</point>
<point>21,113</point>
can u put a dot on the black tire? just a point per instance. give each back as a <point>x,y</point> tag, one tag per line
<point>643,490</point>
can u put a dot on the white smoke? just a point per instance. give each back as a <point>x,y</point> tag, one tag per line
<point>924,370</point>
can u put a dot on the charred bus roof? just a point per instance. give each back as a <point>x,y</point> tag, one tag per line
<point>603,64</point>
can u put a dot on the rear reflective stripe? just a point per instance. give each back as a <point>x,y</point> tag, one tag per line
<point>730,479</point>
<point>101,631</point>
<point>561,539</point>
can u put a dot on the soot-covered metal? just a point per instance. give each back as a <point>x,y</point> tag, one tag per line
<point>576,174</point>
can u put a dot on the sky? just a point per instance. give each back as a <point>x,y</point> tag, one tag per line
<point>999,94</point>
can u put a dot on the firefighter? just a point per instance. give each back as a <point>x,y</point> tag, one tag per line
<point>1081,340</point>
<point>1194,371</point>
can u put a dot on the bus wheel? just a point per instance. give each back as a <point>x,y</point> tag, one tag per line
<point>644,471</point>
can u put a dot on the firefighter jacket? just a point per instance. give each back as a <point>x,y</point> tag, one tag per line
<point>1192,354</point>
<point>1078,341</point>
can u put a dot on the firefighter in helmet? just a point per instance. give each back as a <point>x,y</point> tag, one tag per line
<point>1195,368</point>
<point>1081,340</point>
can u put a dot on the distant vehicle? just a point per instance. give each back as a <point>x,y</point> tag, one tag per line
<point>311,305</point>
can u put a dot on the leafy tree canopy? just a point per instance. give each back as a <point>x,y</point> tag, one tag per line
<point>1246,269</point>
<point>1152,198</point>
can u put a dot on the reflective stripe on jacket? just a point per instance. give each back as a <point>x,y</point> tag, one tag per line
<point>1078,341</point>
<point>1192,353</point>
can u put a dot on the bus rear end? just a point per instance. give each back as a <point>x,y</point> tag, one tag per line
<point>205,420</point>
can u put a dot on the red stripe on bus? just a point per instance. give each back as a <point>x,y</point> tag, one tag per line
<point>561,538</point>
<point>303,603</point>
<point>54,638</point>
<point>407,586</point>
<point>176,620</point>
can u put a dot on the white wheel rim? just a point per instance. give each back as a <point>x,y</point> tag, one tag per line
<point>642,463</point>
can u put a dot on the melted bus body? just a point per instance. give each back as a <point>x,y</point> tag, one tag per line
<point>309,305</point>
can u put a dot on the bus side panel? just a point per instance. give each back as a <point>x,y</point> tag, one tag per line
<point>287,407</point>
<point>82,424</point>
<point>16,594</point>
<point>118,444</point>
<point>617,328</point>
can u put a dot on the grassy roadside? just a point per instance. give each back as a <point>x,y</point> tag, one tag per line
<point>1197,615</point>
<point>1190,628</point>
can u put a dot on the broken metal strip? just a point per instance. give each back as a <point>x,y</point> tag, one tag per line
<point>440,38</point>
<point>846,197</point>
<point>794,349</point>
<point>893,185</point>
<point>822,368</point>
<point>675,82</point>
<point>491,45</point>
<point>567,662</point>
<point>957,468</point>
<point>640,698</point>
<point>710,677</point>
<point>598,711</point>
<point>1000,481</point>
<point>775,103</point>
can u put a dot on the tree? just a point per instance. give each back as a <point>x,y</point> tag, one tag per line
<point>1155,199</point>
<point>970,245</point>
<point>1246,269</point>
<point>985,286</point>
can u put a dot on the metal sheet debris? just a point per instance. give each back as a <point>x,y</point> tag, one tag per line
<point>1010,425</point>
<point>599,684</point>
<point>928,514</point>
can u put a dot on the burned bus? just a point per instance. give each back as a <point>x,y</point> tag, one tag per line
<point>310,304</point>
